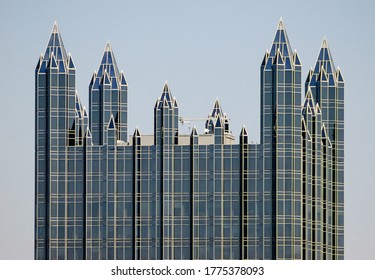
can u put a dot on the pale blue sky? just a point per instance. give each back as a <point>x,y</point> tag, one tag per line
<point>205,49</point>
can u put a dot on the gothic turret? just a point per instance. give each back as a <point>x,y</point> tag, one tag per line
<point>108,96</point>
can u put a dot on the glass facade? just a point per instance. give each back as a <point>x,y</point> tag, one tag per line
<point>100,195</point>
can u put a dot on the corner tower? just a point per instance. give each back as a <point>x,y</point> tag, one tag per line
<point>59,127</point>
<point>281,140</point>
<point>326,84</point>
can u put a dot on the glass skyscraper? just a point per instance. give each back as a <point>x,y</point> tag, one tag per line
<point>100,194</point>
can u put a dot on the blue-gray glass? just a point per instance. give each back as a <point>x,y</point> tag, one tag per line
<point>100,195</point>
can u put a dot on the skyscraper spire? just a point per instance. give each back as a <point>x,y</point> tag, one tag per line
<point>55,45</point>
<point>324,59</point>
<point>166,95</point>
<point>108,63</point>
<point>281,42</point>
<point>108,96</point>
<point>324,66</point>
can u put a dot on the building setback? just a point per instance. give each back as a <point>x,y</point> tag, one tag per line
<point>100,194</point>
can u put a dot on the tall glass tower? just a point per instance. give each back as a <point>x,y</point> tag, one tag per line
<point>100,194</point>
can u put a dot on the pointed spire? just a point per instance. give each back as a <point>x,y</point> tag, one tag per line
<point>108,47</point>
<point>281,41</point>
<point>55,45</point>
<point>309,100</point>
<point>309,76</point>
<point>243,131</point>
<point>166,87</point>
<point>217,111</point>
<point>265,58</point>
<point>243,136</point>
<point>175,104</point>
<point>157,103</point>
<point>93,78</point>
<point>55,28</point>
<point>194,131</point>
<point>166,95</point>
<point>339,75</point>
<point>70,62</point>
<point>324,43</point>
<point>137,133</point>
<point>40,60</point>
<point>324,59</point>
<point>296,59</point>
<point>108,63</point>
<point>122,79</point>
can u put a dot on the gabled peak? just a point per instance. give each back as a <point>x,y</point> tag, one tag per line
<point>339,75</point>
<point>93,78</point>
<point>324,59</point>
<point>243,132</point>
<point>137,133</point>
<point>296,59</point>
<point>265,58</point>
<point>166,87</point>
<point>70,62</point>
<point>309,100</point>
<point>194,131</point>
<point>122,79</point>
<point>309,76</point>
<point>175,104</point>
<point>157,103</point>
<point>217,111</point>
<point>166,94</point>
<point>55,45</point>
<point>111,124</point>
<point>281,41</point>
<point>40,60</point>
<point>108,63</point>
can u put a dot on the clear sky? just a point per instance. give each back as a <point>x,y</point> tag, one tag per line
<point>205,49</point>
